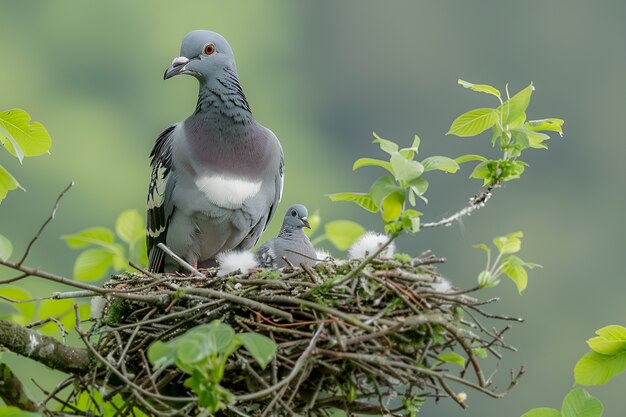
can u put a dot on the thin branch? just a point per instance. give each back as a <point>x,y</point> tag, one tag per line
<point>366,261</point>
<point>12,391</point>
<point>475,203</point>
<point>180,260</point>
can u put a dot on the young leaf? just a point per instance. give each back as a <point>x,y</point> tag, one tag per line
<point>481,88</point>
<point>161,354</point>
<point>392,206</point>
<point>365,162</point>
<point>92,264</point>
<point>597,369</point>
<point>510,243</point>
<point>6,248</point>
<point>452,357</point>
<point>386,145</point>
<point>467,158</point>
<point>513,267</point>
<point>579,403</point>
<point>473,122</point>
<point>32,138</point>
<point>409,153</point>
<point>514,109</point>
<point>16,412</point>
<point>419,186</point>
<point>553,125</point>
<point>7,183</point>
<point>611,340</point>
<point>130,226</point>
<point>260,347</point>
<point>542,412</point>
<point>404,169</point>
<point>343,233</point>
<point>88,237</point>
<point>362,199</point>
<point>27,310</point>
<point>483,247</point>
<point>442,163</point>
<point>57,309</point>
<point>381,188</point>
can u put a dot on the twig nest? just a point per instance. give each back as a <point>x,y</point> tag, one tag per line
<point>369,243</point>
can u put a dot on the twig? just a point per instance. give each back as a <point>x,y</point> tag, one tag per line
<point>180,260</point>
<point>12,391</point>
<point>366,261</point>
<point>475,203</point>
<point>45,223</point>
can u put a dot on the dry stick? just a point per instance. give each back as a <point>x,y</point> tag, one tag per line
<point>476,202</point>
<point>323,309</point>
<point>296,369</point>
<point>43,226</point>
<point>180,260</point>
<point>366,261</point>
<point>235,299</point>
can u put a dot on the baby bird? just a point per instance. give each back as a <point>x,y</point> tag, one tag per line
<point>290,243</point>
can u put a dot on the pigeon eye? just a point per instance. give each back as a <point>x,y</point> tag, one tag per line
<point>293,213</point>
<point>209,49</point>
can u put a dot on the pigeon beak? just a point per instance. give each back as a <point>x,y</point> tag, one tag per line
<point>305,220</point>
<point>177,67</point>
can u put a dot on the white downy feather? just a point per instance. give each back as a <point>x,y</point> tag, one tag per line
<point>442,285</point>
<point>368,244</point>
<point>321,254</point>
<point>232,261</point>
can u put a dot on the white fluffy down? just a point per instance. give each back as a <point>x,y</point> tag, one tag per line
<point>97,307</point>
<point>442,285</point>
<point>232,261</point>
<point>321,254</point>
<point>368,244</point>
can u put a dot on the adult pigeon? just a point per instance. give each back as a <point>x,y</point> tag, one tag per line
<point>217,176</point>
<point>291,242</point>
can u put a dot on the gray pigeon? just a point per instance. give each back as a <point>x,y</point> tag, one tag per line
<point>217,176</point>
<point>291,242</point>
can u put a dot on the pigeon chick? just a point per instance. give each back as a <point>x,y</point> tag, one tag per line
<point>217,176</point>
<point>290,243</point>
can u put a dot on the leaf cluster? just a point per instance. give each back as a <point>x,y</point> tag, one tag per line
<point>103,251</point>
<point>202,353</point>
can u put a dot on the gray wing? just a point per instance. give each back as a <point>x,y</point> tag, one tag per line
<point>265,255</point>
<point>160,206</point>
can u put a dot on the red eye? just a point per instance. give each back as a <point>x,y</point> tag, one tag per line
<point>209,49</point>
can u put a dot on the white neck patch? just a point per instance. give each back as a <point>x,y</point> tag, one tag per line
<point>228,193</point>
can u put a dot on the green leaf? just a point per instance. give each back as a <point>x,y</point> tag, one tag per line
<point>510,243</point>
<point>404,169</point>
<point>221,335</point>
<point>483,247</point>
<point>553,125</point>
<point>411,220</point>
<point>314,221</point>
<point>386,145</point>
<point>481,88</point>
<point>343,233</point>
<point>597,369</point>
<point>362,199</point>
<point>161,354</point>
<point>383,187</point>
<point>419,185</point>
<point>409,153</point>
<point>485,279</point>
<point>365,162</point>
<point>27,310</point>
<point>92,264</point>
<point>6,248</point>
<point>88,237</point>
<point>16,412</point>
<point>611,340</point>
<point>542,412</point>
<point>392,206</point>
<point>442,163</point>
<point>32,138</point>
<point>452,357</point>
<point>262,348</point>
<point>579,403</point>
<point>7,311</point>
<point>473,122</point>
<point>130,226</point>
<point>513,267</point>
<point>7,183</point>
<point>467,158</point>
<point>513,110</point>
<point>188,351</point>
<point>16,149</point>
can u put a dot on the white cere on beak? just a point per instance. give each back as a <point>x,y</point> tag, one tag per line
<point>181,60</point>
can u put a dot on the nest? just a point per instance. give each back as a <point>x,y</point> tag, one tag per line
<point>371,338</point>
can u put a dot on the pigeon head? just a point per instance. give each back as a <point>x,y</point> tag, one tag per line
<point>202,54</point>
<point>296,217</point>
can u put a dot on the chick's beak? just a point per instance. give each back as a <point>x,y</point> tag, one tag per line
<point>305,221</point>
<point>177,67</point>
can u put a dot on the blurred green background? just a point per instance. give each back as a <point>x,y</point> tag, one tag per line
<point>323,75</point>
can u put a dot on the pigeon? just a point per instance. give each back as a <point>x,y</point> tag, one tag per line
<point>217,176</point>
<point>290,243</point>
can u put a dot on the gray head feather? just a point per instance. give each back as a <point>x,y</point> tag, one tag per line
<point>296,218</point>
